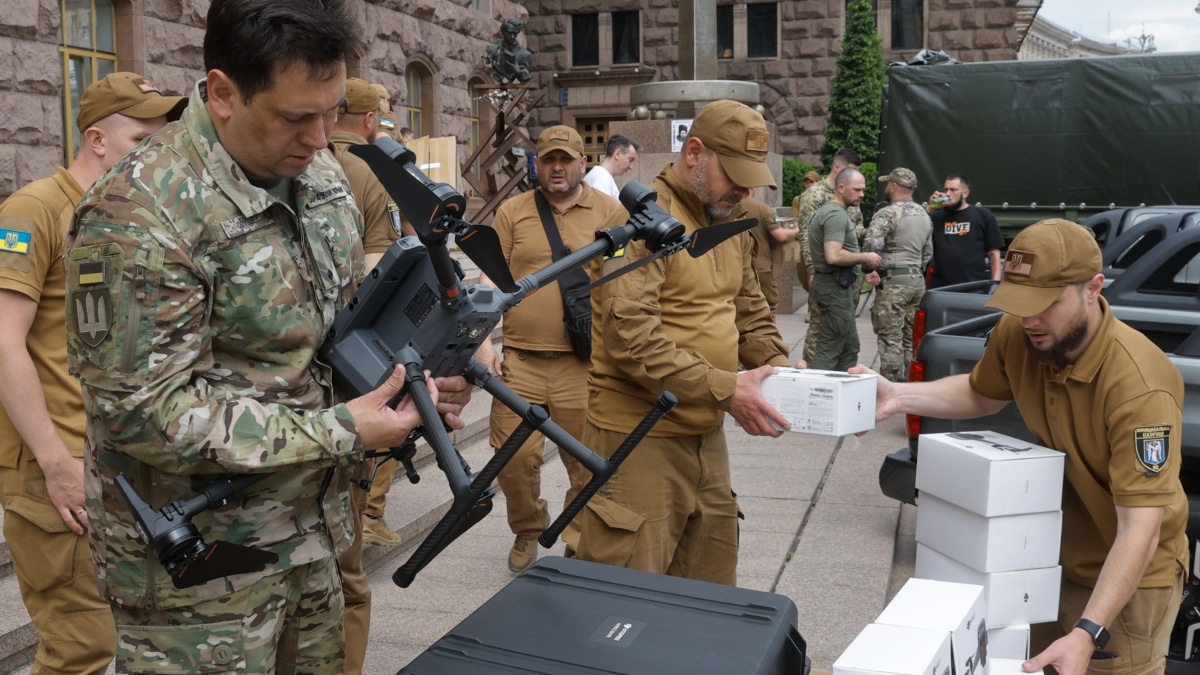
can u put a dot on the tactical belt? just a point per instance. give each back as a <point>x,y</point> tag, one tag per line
<point>539,355</point>
<point>898,271</point>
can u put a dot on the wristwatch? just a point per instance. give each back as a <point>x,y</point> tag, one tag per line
<point>1099,633</point>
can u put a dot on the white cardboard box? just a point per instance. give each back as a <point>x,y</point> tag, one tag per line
<point>825,402</point>
<point>1013,598</point>
<point>989,473</point>
<point>957,609</point>
<point>1009,642</point>
<point>1008,667</point>
<point>999,544</point>
<point>895,650</point>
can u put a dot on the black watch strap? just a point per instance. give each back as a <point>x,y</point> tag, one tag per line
<point>1099,633</point>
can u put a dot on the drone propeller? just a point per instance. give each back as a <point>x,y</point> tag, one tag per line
<point>706,239</point>
<point>482,246</point>
<point>419,205</point>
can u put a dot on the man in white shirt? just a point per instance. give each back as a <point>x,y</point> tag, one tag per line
<point>620,153</point>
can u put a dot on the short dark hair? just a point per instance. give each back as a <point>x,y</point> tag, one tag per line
<point>962,180</point>
<point>248,39</point>
<point>844,176</point>
<point>404,131</point>
<point>620,142</point>
<point>848,157</point>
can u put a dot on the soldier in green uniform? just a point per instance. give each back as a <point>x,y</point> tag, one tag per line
<point>202,273</point>
<point>804,207</point>
<point>901,233</point>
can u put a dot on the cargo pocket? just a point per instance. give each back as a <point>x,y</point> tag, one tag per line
<point>613,543</point>
<point>178,650</point>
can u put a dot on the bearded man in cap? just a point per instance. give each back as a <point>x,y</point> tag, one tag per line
<point>1101,392</point>
<point>684,325</point>
<point>901,233</point>
<point>41,406</point>
<point>539,363</point>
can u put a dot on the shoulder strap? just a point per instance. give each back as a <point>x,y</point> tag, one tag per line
<point>576,278</point>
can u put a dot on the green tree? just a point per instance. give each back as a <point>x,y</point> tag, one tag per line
<point>793,179</point>
<point>854,104</point>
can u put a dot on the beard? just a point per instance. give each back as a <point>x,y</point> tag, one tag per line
<point>1069,342</point>
<point>570,188</point>
<point>698,183</point>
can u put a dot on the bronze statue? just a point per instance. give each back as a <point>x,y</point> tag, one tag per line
<point>509,60</point>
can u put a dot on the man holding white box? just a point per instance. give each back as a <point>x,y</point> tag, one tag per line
<point>1090,386</point>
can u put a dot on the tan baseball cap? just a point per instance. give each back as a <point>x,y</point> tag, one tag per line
<point>1042,260</point>
<point>385,99</point>
<point>739,136</point>
<point>360,98</point>
<point>561,137</point>
<point>129,94</point>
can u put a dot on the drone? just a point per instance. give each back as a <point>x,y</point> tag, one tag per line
<point>414,310</point>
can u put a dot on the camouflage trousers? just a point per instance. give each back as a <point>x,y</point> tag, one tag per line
<point>896,303</point>
<point>290,622</point>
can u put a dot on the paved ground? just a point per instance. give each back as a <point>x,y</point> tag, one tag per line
<point>817,530</point>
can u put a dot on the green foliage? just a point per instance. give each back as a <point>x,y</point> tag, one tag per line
<point>793,179</point>
<point>854,104</point>
<point>871,194</point>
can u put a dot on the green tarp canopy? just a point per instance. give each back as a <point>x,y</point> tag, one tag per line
<point>1123,130</point>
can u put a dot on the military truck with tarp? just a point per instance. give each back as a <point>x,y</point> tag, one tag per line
<point>1057,138</point>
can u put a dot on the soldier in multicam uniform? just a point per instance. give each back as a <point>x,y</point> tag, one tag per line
<point>804,207</point>
<point>901,233</point>
<point>202,274</point>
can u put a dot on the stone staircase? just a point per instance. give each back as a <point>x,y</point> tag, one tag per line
<point>412,511</point>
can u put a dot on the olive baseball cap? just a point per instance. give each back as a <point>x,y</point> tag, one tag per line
<point>385,99</point>
<point>1042,260</point>
<point>360,98</point>
<point>129,94</point>
<point>901,176</point>
<point>561,137</point>
<point>739,137</point>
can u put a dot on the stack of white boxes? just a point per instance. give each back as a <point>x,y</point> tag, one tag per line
<point>929,628</point>
<point>990,513</point>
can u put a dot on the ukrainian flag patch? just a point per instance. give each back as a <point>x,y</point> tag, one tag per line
<point>15,241</point>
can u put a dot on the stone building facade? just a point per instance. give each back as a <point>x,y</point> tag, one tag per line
<point>431,50</point>
<point>790,47</point>
<point>1048,40</point>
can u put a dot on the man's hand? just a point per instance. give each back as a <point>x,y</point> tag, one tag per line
<point>64,483</point>
<point>453,395</point>
<point>873,279</point>
<point>871,260</point>
<point>885,397</point>
<point>488,356</point>
<point>801,364</point>
<point>1070,655</point>
<point>381,426</point>
<point>749,407</point>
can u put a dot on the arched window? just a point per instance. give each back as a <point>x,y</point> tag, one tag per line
<point>414,111</point>
<point>89,52</point>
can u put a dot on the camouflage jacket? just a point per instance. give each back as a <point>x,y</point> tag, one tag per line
<point>901,234</point>
<point>812,199</point>
<point>197,303</point>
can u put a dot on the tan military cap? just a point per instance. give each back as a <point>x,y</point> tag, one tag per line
<point>738,134</point>
<point>129,94</point>
<point>360,98</point>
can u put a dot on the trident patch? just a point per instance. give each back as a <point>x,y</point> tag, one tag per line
<point>1152,447</point>
<point>93,306</point>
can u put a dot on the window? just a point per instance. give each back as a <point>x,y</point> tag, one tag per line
<point>594,131</point>
<point>89,54</point>
<point>413,102</point>
<point>606,39</point>
<point>908,24</point>
<point>626,39</point>
<point>762,30</point>
<point>725,32</point>
<point>585,40</point>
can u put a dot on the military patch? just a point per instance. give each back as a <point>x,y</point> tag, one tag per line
<point>613,262</point>
<point>1019,263</point>
<point>241,225</point>
<point>15,241</point>
<point>394,214</point>
<point>757,140</point>
<point>387,124</point>
<point>559,135</point>
<point>1152,446</point>
<point>93,314</point>
<point>327,195</point>
<point>146,86</point>
<point>91,273</point>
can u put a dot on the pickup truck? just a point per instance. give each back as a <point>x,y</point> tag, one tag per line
<point>1159,295</point>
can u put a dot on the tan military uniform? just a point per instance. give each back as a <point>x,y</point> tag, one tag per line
<point>381,216</point>
<point>54,568</point>
<point>683,325</point>
<point>538,362</point>
<point>1116,413</point>
<point>766,249</point>
<point>804,208</point>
